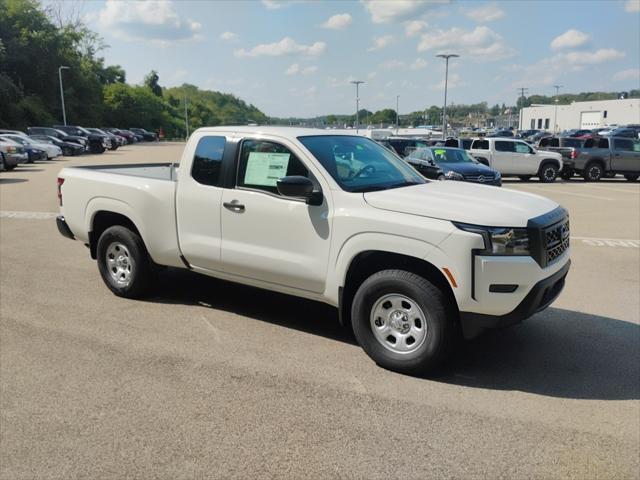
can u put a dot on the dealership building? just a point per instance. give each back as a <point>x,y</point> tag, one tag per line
<point>581,115</point>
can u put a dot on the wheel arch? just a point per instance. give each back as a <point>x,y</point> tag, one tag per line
<point>103,219</point>
<point>366,263</point>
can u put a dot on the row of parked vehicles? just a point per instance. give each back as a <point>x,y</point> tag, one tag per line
<point>42,143</point>
<point>488,159</point>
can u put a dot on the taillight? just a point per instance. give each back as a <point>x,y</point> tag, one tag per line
<point>60,182</point>
<point>574,154</point>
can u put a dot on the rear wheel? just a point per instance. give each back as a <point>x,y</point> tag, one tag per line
<point>631,178</point>
<point>548,173</point>
<point>97,149</point>
<point>124,263</point>
<point>400,320</point>
<point>593,172</point>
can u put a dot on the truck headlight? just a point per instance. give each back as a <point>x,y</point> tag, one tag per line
<point>451,175</point>
<point>500,240</point>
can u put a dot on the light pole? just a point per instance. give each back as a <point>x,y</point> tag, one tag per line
<point>397,113</point>
<point>446,57</point>
<point>64,113</point>
<point>357,84</point>
<point>555,110</point>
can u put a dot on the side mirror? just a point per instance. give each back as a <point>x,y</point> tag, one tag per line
<point>299,186</point>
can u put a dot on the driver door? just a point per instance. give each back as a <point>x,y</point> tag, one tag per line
<point>524,159</point>
<point>269,237</point>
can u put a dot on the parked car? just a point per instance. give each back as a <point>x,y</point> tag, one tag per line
<point>147,136</point>
<point>403,146</point>
<point>577,133</point>
<point>52,151</point>
<point>98,143</point>
<point>568,147</point>
<point>512,157</point>
<point>13,154</point>
<point>69,149</point>
<point>608,157</point>
<point>125,134</point>
<point>421,160</point>
<point>59,134</point>
<point>34,154</point>
<point>536,137</point>
<point>464,143</point>
<point>525,134</point>
<point>625,132</point>
<point>113,140</point>
<point>407,262</point>
<point>501,133</point>
<point>457,164</point>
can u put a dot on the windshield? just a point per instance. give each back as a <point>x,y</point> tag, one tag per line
<point>451,155</point>
<point>359,164</point>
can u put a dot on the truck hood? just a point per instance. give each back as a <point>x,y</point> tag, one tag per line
<point>463,202</point>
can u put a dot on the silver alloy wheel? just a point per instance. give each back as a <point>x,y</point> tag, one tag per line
<point>594,172</point>
<point>549,173</point>
<point>119,263</point>
<point>398,323</point>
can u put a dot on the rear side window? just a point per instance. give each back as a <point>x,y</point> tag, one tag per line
<point>573,142</point>
<point>554,142</point>
<point>466,143</point>
<point>623,144</point>
<point>480,145</point>
<point>522,147</point>
<point>603,143</point>
<point>504,146</point>
<point>207,160</point>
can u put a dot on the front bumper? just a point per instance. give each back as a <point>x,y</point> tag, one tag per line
<point>541,295</point>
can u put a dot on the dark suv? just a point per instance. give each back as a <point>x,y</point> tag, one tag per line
<point>98,143</point>
<point>403,146</point>
<point>59,134</point>
<point>148,136</point>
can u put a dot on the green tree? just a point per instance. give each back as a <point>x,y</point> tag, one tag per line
<point>151,82</point>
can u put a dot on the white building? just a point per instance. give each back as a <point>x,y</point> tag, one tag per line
<point>581,115</point>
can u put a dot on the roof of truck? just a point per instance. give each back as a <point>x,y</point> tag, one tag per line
<point>283,131</point>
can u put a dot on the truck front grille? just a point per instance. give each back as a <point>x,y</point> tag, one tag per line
<point>557,241</point>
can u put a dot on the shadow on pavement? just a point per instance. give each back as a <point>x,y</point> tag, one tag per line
<point>558,353</point>
<point>4,181</point>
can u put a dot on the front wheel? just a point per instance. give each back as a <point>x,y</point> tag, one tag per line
<point>124,263</point>
<point>593,172</point>
<point>548,173</point>
<point>400,320</point>
<point>631,178</point>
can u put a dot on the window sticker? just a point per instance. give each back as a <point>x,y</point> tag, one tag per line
<point>266,168</point>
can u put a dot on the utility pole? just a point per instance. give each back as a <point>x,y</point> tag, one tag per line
<point>555,110</point>
<point>357,83</point>
<point>522,90</point>
<point>397,113</point>
<point>446,57</point>
<point>186,115</point>
<point>64,113</point>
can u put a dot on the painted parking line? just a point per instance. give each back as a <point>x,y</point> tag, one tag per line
<point>608,242</point>
<point>27,215</point>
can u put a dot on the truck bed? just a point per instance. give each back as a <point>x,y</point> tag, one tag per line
<point>158,171</point>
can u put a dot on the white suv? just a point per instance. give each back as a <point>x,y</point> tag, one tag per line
<point>517,158</point>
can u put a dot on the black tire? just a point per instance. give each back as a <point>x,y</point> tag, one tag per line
<point>131,248</point>
<point>525,178</point>
<point>441,177</point>
<point>593,172</point>
<point>548,173</point>
<point>438,337</point>
<point>67,152</point>
<point>9,168</point>
<point>98,149</point>
<point>631,178</point>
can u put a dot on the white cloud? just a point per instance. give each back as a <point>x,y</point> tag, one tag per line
<point>413,27</point>
<point>381,42</point>
<point>485,13</point>
<point>339,21</point>
<point>482,43</point>
<point>334,82</point>
<point>601,55</point>
<point>632,6</point>
<point>391,65</point>
<point>570,39</point>
<point>418,64</point>
<point>629,74</point>
<point>148,20</point>
<point>454,81</point>
<point>228,36</point>
<point>276,4</point>
<point>293,69</point>
<point>286,46</point>
<point>385,11</point>
<point>371,75</point>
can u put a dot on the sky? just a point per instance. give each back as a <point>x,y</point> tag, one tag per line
<point>297,57</point>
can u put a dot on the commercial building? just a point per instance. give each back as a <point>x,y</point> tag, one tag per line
<point>581,115</point>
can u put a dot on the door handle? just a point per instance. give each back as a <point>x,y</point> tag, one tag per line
<point>234,206</point>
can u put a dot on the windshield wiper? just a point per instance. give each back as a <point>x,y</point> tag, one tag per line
<point>377,188</point>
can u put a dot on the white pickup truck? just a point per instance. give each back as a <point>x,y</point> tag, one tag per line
<point>335,218</point>
<point>516,158</point>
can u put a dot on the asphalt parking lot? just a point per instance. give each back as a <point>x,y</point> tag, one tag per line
<point>211,379</point>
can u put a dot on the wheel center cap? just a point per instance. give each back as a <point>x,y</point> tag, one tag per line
<point>399,321</point>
